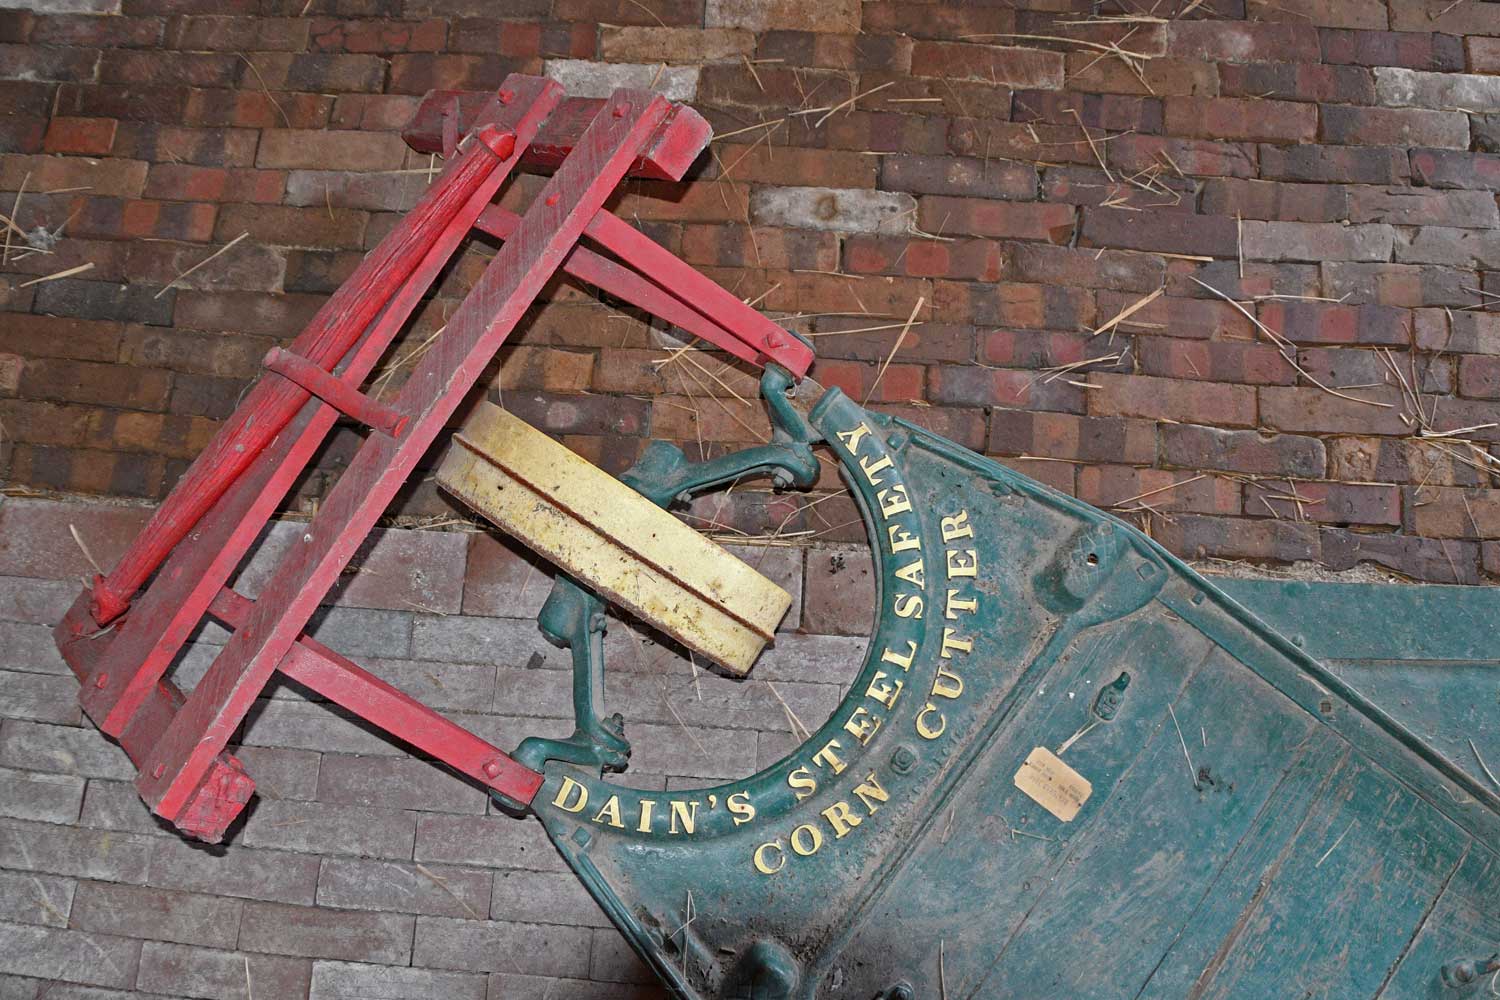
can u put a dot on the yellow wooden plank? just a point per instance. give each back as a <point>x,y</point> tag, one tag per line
<point>611,538</point>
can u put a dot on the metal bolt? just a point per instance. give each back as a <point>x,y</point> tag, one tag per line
<point>158,770</point>
<point>552,199</point>
<point>307,537</point>
<point>904,759</point>
<point>506,96</point>
<point>492,768</point>
<point>619,110</point>
<point>102,681</point>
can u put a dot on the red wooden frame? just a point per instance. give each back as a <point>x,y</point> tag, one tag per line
<point>120,640</point>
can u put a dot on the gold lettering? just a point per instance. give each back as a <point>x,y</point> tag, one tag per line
<point>902,540</point>
<point>952,641</point>
<point>925,728</point>
<point>688,816</point>
<point>610,813</point>
<point>852,438</point>
<point>884,693</point>
<point>955,605</point>
<point>814,838</point>
<point>740,807</point>
<point>947,684</point>
<point>893,500</point>
<point>873,469</point>
<point>841,818</point>
<point>827,758</point>
<point>802,782</point>
<point>913,573</point>
<point>962,562</point>
<point>904,662</point>
<point>909,605</point>
<point>957,526</point>
<point>861,725</point>
<point>569,786</point>
<point>644,826</point>
<point>871,793</point>
<point>761,865</point>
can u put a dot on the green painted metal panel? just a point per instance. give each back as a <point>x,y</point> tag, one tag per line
<point>1004,805</point>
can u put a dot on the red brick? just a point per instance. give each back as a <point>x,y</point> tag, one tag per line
<point>1231,41</point>
<point>961,386</point>
<point>1242,363</point>
<point>773,86</point>
<point>1324,502</point>
<point>1109,112</point>
<point>1335,323</point>
<point>1479,377</point>
<point>1448,168</point>
<point>958,176</point>
<point>1194,447</point>
<point>1298,82</point>
<point>1404,127</point>
<point>1122,488</point>
<point>32,62</point>
<point>1066,436</point>
<point>1405,285</point>
<point>295,148</point>
<point>84,136</point>
<point>965,260</point>
<point>1023,306</point>
<point>1366,14</point>
<point>256,109</point>
<point>1250,199</point>
<point>899,383</point>
<point>1159,77</point>
<point>317,71</point>
<point>926,20</point>
<point>156,67</point>
<point>1032,349</point>
<point>1315,241</point>
<point>114,218</point>
<point>1338,164</point>
<point>876,132</point>
<point>287,226</point>
<point>1412,49</point>
<point>1091,187</point>
<point>1341,368</point>
<point>1171,399</point>
<point>1408,207</point>
<point>1197,537</point>
<point>1241,119</point>
<point>279,316</point>
<point>924,340</point>
<point>728,245</point>
<point>1484,54</point>
<point>119,178</point>
<point>1031,69</point>
<point>1168,232</point>
<point>1042,264</point>
<point>1310,410</point>
<point>59,337</point>
<point>233,34</point>
<point>87,382</point>
<point>1195,157</point>
<point>190,183</point>
<point>997,219</point>
<point>1172,316</point>
<point>87,31</point>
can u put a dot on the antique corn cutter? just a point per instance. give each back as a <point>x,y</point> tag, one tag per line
<point>1068,767</point>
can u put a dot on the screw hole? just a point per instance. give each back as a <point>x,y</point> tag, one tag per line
<point>1092,560</point>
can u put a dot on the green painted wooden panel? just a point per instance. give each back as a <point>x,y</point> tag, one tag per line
<point>1356,879</point>
<point>1465,924</point>
<point>1128,890</point>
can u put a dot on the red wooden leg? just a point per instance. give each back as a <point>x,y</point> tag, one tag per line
<point>178,763</point>
<point>166,614</point>
<point>335,328</point>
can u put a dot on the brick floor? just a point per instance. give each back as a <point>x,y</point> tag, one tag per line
<point>360,870</point>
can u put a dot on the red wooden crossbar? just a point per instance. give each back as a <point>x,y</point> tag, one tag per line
<point>223,503</point>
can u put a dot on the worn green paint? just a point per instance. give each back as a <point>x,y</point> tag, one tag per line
<point>1307,852</point>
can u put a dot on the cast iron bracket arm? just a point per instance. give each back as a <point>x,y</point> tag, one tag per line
<point>663,474</point>
<point>573,618</point>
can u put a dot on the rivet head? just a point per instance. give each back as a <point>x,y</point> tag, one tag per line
<point>158,770</point>
<point>552,199</point>
<point>492,768</point>
<point>619,110</point>
<point>102,681</point>
<point>903,760</point>
<point>506,96</point>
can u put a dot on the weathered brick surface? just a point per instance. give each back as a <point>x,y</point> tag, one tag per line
<point>1330,166</point>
